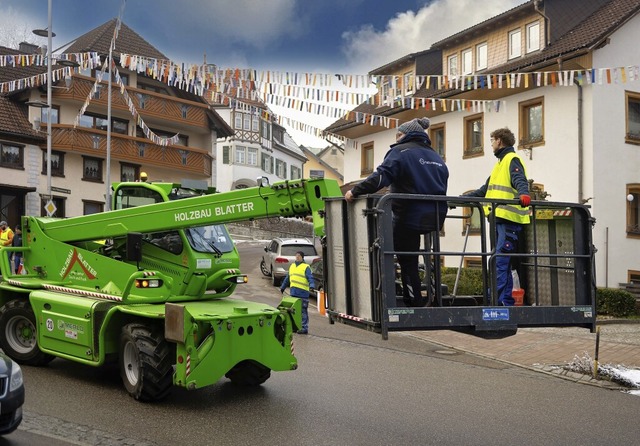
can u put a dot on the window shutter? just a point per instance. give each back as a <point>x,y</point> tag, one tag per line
<point>225,154</point>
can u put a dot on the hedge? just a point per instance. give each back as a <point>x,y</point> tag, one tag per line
<point>615,302</point>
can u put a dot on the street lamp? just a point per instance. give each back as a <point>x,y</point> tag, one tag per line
<point>49,34</point>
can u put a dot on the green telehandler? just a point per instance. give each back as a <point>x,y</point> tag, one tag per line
<point>149,285</point>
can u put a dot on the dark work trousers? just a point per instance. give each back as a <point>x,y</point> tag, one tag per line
<point>407,240</point>
<point>506,242</point>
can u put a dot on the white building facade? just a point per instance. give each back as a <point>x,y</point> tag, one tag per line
<point>588,150</point>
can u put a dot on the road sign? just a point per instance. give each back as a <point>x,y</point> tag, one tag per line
<point>50,208</point>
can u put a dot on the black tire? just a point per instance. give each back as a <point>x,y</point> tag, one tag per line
<point>146,363</point>
<point>274,280</point>
<point>19,334</point>
<point>263,268</point>
<point>248,374</point>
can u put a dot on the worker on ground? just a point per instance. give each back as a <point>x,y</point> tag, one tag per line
<point>6,234</point>
<point>17,256</point>
<point>300,281</point>
<point>508,180</point>
<point>411,166</point>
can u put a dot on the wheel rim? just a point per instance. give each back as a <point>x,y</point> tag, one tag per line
<point>130,363</point>
<point>21,334</point>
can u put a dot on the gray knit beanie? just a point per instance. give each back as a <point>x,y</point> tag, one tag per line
<point>415,125</point>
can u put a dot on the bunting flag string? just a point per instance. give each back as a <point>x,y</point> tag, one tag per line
<point>304,91</point>
<point>174,73</point>
<point>40,60</point>
<point>92,93</point>
<point>86,61</point>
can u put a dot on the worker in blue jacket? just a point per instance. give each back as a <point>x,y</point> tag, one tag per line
<point>300,280</point>
<point>411,166</point>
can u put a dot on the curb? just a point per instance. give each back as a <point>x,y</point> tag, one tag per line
<point>548,369</point>
<point>617,321</point>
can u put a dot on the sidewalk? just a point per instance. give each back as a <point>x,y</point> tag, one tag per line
<point>547,349</point>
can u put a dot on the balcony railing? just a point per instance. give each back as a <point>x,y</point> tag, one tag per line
<point>92,142</point>
<point>149,104</point>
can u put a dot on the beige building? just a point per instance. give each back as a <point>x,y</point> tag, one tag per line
<point>316,167</point>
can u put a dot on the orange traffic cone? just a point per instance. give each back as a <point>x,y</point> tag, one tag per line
<point>322,303</point>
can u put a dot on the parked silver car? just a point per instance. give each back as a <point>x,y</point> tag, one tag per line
<point>280,253</point>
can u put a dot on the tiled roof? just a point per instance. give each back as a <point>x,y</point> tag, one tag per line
<point>593,23</point>
<point>8,73</point>
<point>14,123</point>
<point>586,35</point>
<point>404,60</point>
<point>128,41</point>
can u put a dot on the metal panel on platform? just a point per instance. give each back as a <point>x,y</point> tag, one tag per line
<point>556,268</point>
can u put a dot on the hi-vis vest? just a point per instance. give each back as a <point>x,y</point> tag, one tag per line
<point>297,277</point>
<point>6,237</point>
<point>500,187</point>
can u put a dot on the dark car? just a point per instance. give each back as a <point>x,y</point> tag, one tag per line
<point>11,395</point>
<point>317,271</point>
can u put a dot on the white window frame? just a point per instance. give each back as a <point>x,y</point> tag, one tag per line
<point>246,122</point>
<point>533,37</point>
<point>386,92</point>
<point>515,43</point>
<point>240,155</point>
<point>280,169</point>
<point>482,53</point>
<point>255,124</point>
<point>407,80</point>
<point>238,120</point>
<point>296,172</point>
<point>252,156</point>
<point>467,62</point>
<point>452,65</point>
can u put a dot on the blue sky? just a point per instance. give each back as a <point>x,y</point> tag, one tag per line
<point>321,36</point>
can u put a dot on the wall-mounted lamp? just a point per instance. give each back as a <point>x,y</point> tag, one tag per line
<point>630,198</point>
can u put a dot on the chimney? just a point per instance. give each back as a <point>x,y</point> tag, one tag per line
<point>28,48</point>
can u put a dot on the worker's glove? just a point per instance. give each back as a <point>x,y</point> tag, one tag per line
<point>281,291</point>
<point>525,200</point>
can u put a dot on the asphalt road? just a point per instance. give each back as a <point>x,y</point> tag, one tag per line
<point>351,388</point>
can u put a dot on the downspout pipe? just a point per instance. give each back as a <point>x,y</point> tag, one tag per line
<point>580,143</point>
<point>537,5</point>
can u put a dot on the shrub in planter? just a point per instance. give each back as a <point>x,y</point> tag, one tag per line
<point>615,302</point>
<point>470,283</point>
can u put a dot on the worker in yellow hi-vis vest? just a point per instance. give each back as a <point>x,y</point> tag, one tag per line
<point>508,181</point>
<point>300,280</point>
<point>6,234</point>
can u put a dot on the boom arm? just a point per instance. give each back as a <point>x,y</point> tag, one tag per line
<point>285,199</point>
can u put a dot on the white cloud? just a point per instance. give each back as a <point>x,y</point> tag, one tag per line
<point>409,32</point>
<point>245,21</point>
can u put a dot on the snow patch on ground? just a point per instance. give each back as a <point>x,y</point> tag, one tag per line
<point>616,373</point>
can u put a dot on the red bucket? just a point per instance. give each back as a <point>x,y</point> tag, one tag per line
<point>518,296</point>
